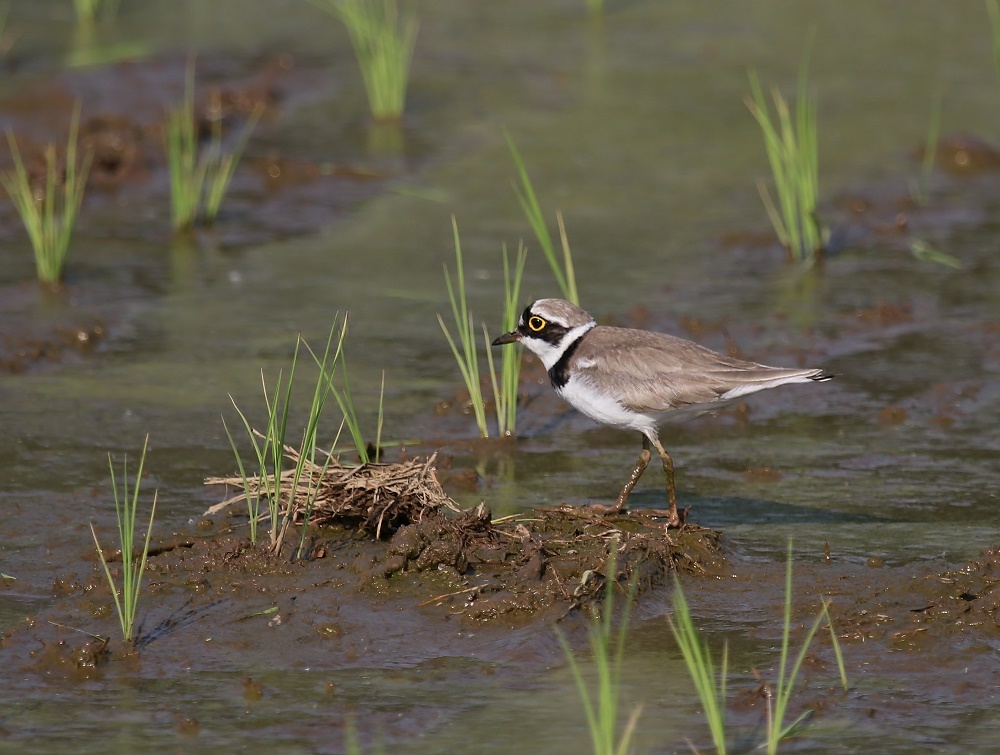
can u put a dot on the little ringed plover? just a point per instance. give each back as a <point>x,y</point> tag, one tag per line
<point>634,379</point>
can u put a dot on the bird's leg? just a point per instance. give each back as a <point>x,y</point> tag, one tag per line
<point>674,519</point>
<point>640,467</point>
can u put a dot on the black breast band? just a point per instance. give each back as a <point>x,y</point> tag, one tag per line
<point>559,372</point>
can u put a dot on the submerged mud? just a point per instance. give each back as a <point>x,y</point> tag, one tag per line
<point>464,585</point>
<point>338,583</point>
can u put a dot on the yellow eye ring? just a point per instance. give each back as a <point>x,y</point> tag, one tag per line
<point>536,323</point>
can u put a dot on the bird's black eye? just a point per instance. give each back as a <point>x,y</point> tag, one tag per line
<point>536,323</point>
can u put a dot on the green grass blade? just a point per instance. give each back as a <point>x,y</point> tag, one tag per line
<point>701,667</point>
<point>384,40</point>
<point>607,651</point>
<point>126,598</point>
<point>220,167</point>
<point>791,146</point>
<point>468,356</point>
<point>49,222</point>
<point>562,268</point>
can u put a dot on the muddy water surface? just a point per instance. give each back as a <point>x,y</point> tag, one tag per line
<point>636,129</point>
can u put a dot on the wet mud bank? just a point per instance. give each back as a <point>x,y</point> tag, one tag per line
<point>400,571</point>
<point>458,585</point>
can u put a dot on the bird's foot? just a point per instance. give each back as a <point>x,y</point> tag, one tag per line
<point>676,518</point>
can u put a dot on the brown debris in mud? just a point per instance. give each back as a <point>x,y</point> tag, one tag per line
<point>374,498</point>
<point>482,569</point>
<point>20,352</point>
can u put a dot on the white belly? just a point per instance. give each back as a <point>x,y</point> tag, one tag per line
<point>602,408</point>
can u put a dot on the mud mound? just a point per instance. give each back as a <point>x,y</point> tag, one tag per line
<point>546,559</point>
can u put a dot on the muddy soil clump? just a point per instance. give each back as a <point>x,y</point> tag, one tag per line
<point>514,566</point>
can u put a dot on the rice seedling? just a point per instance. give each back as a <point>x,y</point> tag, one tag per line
<point>607,648</point>
<point>792,152</point>
<point>926,252</point>
<point>383,40</point>
<point>777,702</point>
<point>711,684</point>
<point>561,268</point>
<point>468,356</point>
<point>919,187</point>
<point>88,10</point>
<point>222,165</point>
<point>49,214</point>
<point>270,448</point>
<point>505,390</point>
<point>308,448</point>
<point>133,565</point>
<point>345,401</point>
<point>269,451</point>
<point>187,169</point>
<point>199,179</point>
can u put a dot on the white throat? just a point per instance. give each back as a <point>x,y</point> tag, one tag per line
<point>552,353</point>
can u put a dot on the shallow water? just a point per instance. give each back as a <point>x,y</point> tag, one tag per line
<point>634,127</point>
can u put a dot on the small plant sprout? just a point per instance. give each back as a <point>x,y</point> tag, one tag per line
<point>133,565</point>
<point>793,155</point>
<point>607,649</point>
<point>309,448</point>
<point>926,252</point>
<point>467,357</point>
<point>187,169</point>
<point>200,178</point>
<point>222,165</point>
<point>561,268</point>
<point>270,449</point>
<point>505,390</point>
<point>345,401</point>
<point>49,212</point>
<point>383,40</point>
<point>709,683</point>
<point>777,701</point>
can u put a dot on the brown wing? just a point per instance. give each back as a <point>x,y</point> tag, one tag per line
<point>656,372</point>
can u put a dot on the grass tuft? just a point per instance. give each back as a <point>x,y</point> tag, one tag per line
<point>345,401</point>
<point>222,165</point>
<point>49,213</point>
<point>383,40</point>
<point>270,446</point>
<point>607,649</point>
<point>133,566</point>
<point>562,267</point>
<point>200,178</point>
<point>505,390</point>
<point>792,150</point>
<point>467,356</point>
<point>710,683</point>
